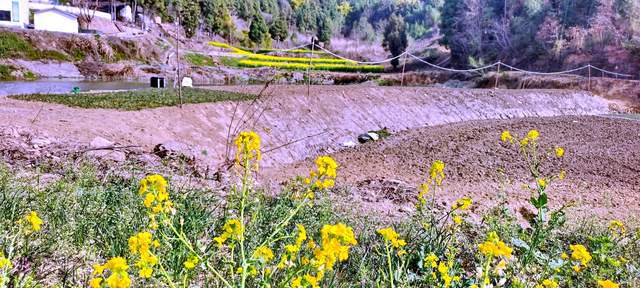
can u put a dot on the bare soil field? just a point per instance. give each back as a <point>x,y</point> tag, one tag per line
<point>602,163</point>
<point>602,159</point>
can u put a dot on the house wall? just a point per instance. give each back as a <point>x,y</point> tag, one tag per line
<point>7,5</point>
<point>70,9</point>
<point>55,21</point>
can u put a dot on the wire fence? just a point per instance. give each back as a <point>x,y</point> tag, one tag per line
<point>498,64</point>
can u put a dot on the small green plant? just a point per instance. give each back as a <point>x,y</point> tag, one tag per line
<point>137,99</point>
<point>199,59</point>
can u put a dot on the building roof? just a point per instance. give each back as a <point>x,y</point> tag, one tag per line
<point>59,11</point>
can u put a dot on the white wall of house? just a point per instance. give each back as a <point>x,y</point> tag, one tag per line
<point>71,9</point>
<point>16,11</point>
<point>55,20</point>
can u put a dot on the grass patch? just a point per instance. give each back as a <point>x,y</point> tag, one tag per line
<point>15,46</point>
<point>199,59</point>
<point>136,100</point>
<point>5,73</point>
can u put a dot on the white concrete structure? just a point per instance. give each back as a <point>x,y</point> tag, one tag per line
<point>54,19</point>
<point>36,6</point>
<point>14,13</point>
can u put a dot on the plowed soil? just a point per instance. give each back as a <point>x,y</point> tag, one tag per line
<point>602,161</point>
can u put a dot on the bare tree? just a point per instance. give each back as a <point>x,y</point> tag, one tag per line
<point>87,11</point>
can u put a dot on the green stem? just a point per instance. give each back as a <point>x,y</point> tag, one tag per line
<point>389,263</point>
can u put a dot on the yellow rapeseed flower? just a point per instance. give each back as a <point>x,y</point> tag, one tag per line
<point>607,284</point>
<point>432,259</point>
<point>580,253</point>
<point>506,136</point>
<point>542,183</point>
<point>336,241</point>
<point>550,283</point>
<point>463,203</point>
<point>494,247</point>
<point>422,192</point>
<point>436,172</point>
<point>4,262</point>
<point>248,148</point>
<point>232,229</point>
<point>191,262</point>
<point>391,236</point>
<point>559,152</point>
<point>95,282</point>
<point>457,220</point>
<point>34,220</point>
<point>264,253</point>
<point>617,227</point>
<point>562,175</point>
<point>533,135</point>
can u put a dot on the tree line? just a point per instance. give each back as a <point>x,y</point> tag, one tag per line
<point>521,32</point>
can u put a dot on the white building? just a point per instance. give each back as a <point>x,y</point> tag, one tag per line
<point>14,13</point>
<point>54,19</point>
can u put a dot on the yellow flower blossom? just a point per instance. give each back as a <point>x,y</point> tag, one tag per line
<point>580,253</point>
<point>5,262</point>
<point>336,241</point>
<point>506,136</point>
<point>617,227</point>
<point>264,253</point>
<point>95,282</point>
<point>432,259</point>
<point>118,276</point>
<point>248,148</point>
<point>463,203</point>
<point>34,220</point>
<point>550,283</point>
<point>296,282</point>
<point>191,262</point>
<point>436,172</point>
<point>232,229</point>
<point>607,284</point>
<point>533,135</point>
<point>559,152</point>
<point>562,175</point>
<point>457,220</point>
<point>422,192</point>
<point>494,247</point>
<point>542,183</point>
<point>564,256</point>
<point>392,237</point>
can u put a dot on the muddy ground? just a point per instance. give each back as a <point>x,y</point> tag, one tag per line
<point>602,162</point>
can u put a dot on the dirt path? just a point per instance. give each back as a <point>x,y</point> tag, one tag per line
<point>602,162</point>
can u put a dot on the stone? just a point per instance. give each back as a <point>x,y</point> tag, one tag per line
<point>187,82</point>
<point>173,149</point>
<point>40,142</point>
<point>126,14</point>
<point>111,155</point>
<point>99,142</point>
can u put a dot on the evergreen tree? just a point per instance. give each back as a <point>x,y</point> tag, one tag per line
<point>324,29</point>
<point>395,37</point>
<point>189,16</point>
<point>279,30</point>
<point>258,29</point>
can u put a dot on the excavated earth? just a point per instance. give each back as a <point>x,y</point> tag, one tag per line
<point>602,163</point>
<point>458,126</point>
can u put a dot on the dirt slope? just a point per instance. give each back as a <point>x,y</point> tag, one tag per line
<point>602,164</point>
<point>337,113</point>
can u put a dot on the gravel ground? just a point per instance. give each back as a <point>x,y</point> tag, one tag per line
<point>602,162</point>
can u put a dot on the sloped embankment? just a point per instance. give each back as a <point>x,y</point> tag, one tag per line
<point>338,114</point>
<point>330,116</point>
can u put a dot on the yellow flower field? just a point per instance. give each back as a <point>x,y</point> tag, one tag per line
<point>150,233</point>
